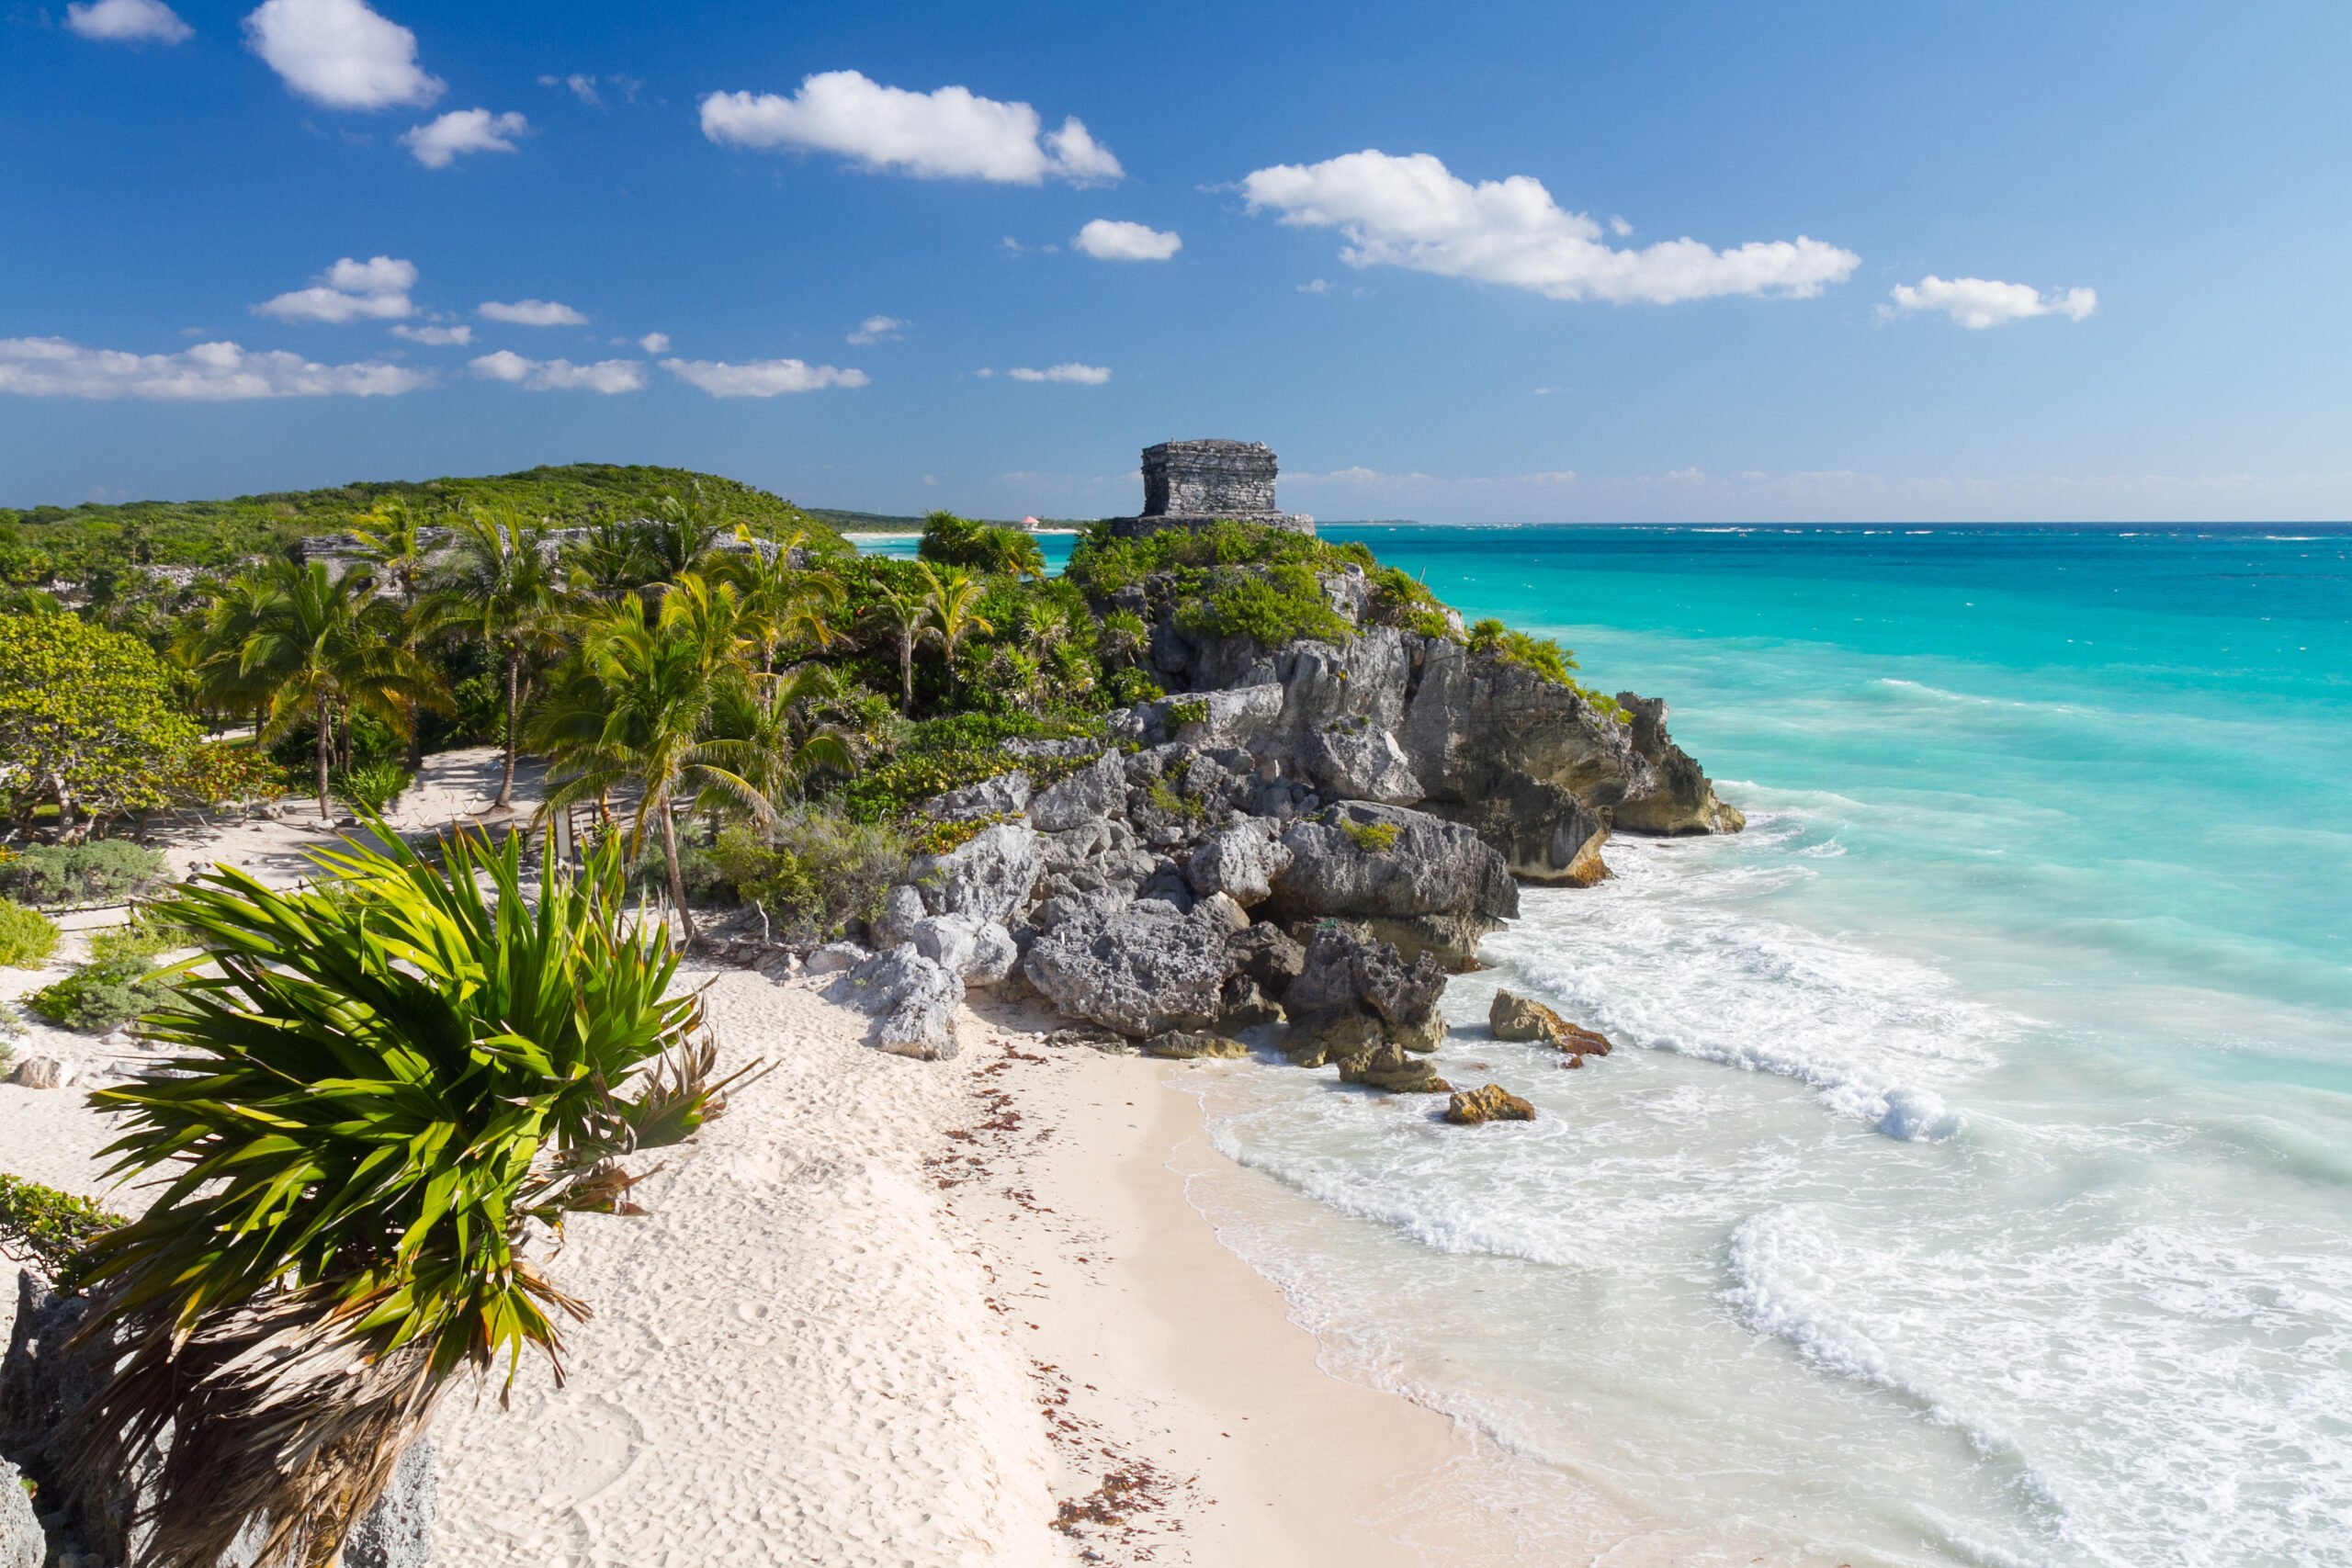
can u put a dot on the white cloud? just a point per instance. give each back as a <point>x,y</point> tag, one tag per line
<point>128,22</point>
<point>953,133</point>
<point>880,328</point>
<point>1316,286</point>
<point>561,374</point>
<point>1412,213</point>
<point>585,89</point>
<point>760,378</point>
<point>437,337</point>
<point>208,372</point>
<point>438,144</point>
<point>374,290</point>
<point>654,342</point>
<point>532,313</point>
<point>1979,302</point>
<point>1107,239</point>
<point>1078,375</point>
<point>340,53</point>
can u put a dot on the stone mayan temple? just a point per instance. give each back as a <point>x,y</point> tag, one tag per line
<point>1190,484</point>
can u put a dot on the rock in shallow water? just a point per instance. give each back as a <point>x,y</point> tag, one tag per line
<point>1519,1018</point>
<point>1492,1103</point>
<point>1184,1044</point>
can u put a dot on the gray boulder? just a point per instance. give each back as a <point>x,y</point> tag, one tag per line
<point>398,1531</point>
<point>989,878</point>
<point>911,999</point>
<point>1142,969</point>
<point>836,957</point>
<point>902,912</point>
<point>979,953</point>
<point>23,1543</point>
<point>1089,795</point>
<point>1343,969</point>
<point>1007,795</point>
<point>42,1072</point>
<point>1362,859</point>
<point>1240,861</point>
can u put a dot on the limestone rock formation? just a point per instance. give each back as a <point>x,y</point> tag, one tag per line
<point>1520,1018</point>
<point>1389,1067</point>
<point>40,1072</point>
<point>23,1543</point>
<point>1240,861</point>
<point>1184,1044</point>
<point>1491,1103</point>
<point>989,877</point>
<point>912,1000</point>
<point>1141,970</point>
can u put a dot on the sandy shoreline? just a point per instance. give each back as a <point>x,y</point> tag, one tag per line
<point>891,1311</point>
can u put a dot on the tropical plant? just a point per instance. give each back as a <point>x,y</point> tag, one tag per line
<point>87,718</point>
<point>325,656</point>
<point>48,1228</point>
<point>784,605</point>
<point>500,585</point>
<point>634,710</point>
<point>397,543</point>
<point>905,616</point>
<point>99,997</point>
<point>387,1094</point>
<point>371,786</point>
<point>990,548</point>
<point>951,609</point>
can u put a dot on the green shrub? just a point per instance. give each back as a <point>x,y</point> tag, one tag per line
<point>1122,636</point>
<point>1371,838</point>
<point>812,873</point>
<point>1190,710</point>
<point>931,756</point>
<point>26,936</point>
<point>1271,605</point>
<point>1538,655</point>
<point>1163,797</point>
<point>946,838</point>
<point>46,1228</point>
<point>102,870</point>
<point>1127,686</point>
<point>371,786</point>
<point>97,998</point>
<point>144,939</point>
<point>988,547</point>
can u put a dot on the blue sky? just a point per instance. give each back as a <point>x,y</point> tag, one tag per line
<point>1943,261</point>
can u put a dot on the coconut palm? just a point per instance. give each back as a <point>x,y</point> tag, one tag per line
<point>951,604</point>
<point>314,647</point>
<point>212,647</point>
<point>905,618</point>
<point>683,534</point>
<point>500,585</point>
<point>636,710</point>
<point>764,712</point>
<point>785,605</point>
<point>385,1095</point>
<point>398,545</point>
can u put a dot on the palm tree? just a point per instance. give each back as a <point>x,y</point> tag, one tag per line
<point>637,709</point>
<point>764,713</point>
<point>683,532</point>
<point>906,617</point>
<point>785,604</point>
<point>384,1094</point>
<point>951,602</point>
<point>396,542</point>
<point>501,586</point>
<point>213,646</point>
<point>315,649</point>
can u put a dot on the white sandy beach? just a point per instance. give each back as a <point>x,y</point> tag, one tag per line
<point>889,1312</point>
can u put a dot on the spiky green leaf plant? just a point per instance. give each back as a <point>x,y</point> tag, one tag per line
<point>389,1091</point>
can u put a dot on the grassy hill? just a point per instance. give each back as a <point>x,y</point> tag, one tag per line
<point>68,542</point>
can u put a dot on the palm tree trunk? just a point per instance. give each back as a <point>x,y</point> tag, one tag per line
<point>514,700</point>
<point>326,742</point>
<point>677,874</point>
<point>906,677</point>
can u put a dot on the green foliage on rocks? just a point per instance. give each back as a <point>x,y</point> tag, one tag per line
<point>929,757</point>
<point>1103,562</point>
<point>1371,838</point>
<point>1271,605</point>
<point>26,936</point>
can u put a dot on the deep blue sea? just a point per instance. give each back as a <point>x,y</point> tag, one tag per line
<point>1973,1181</point>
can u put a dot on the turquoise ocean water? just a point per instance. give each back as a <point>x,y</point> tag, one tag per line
<point>1974,1180</point>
